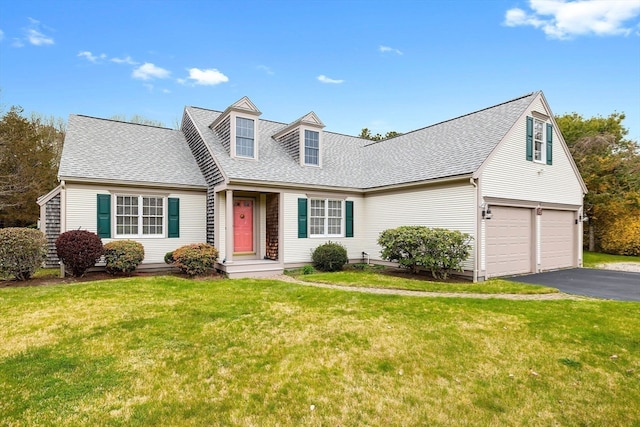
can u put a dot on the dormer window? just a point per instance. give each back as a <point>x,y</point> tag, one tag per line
<point>237,129</point>
<point>245,142</point>
<point>311,147</point>
<point>303,140</point>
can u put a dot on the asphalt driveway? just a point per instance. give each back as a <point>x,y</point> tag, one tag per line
<point>609,284</point>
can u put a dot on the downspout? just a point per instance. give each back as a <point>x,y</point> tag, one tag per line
<point>63,217</point>
<point>475,230</point>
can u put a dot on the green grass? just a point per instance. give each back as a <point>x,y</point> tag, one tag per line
<point>592,259</point>
<point>375,279</point>
<point>172,351</point>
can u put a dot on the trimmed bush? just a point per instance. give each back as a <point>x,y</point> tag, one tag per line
<point>435,249</point>
<point>79,250</point>
<point>123,256</point>
<point>195,259</point>
<point>168,258</point>
<point>22,251</point>
<point>330,256</point>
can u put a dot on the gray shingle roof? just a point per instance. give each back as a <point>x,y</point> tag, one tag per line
<point>110,150</point>
<point>451,148</point>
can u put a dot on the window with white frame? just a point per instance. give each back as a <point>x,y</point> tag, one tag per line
<point>325,218</point>
<point>311,147</point>
<point>245,143</point>
<point>139,216</point>
<point>538,141</point>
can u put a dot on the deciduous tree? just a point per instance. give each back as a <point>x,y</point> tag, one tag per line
<point>610,166</point>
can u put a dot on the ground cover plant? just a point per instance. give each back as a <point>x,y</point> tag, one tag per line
<point>593,259</point>
<point>391,278</point>
<point>173,351</point>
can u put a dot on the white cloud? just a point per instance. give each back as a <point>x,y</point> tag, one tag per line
<point>324,79</point>
<point>35,35</point>
<point>265,69</point>
<point>564,19</point>
<point>385,49</point>
<point>91,57</point>
<point>1,35</point>
<point>149,71</point>
<point>126,60</point>
<point>207,77</point>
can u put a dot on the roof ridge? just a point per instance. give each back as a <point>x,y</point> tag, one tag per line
<point>455,118</point>
<point>120,121</point>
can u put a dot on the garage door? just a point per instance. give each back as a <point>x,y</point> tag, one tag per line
<point>557,239</point>
<point>508,245</point>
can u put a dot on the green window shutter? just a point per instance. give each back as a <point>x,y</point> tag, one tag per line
<point>302,218</point>
<point>104,216</point>
<point>349,219</point>
<point>174,217</point>
<point>549,144</point>
<point>529,138</point>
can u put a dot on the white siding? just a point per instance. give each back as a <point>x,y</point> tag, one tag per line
<point>297,250</point>
<point>509,175</point>
<point>451,206</point>
<point>81,201</point>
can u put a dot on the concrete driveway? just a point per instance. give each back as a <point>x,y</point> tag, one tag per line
<point>609,284</point>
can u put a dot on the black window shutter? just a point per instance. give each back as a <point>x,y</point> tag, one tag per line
<point>302,218</point>
<point>549,144</point>
<point>529,138</point>
<point>174,217</point>
<point>104,216</point>
<point>349,219</point>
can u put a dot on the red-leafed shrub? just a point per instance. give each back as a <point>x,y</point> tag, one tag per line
<point>79,250</point>
<point>195,259</point>
<point>123,256</point>
<point>22,251</point>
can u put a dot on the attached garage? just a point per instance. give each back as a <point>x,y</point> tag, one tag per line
<point>557,239</point>
<point>509,243</point>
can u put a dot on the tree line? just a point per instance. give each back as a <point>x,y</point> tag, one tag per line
<point>608,161</point>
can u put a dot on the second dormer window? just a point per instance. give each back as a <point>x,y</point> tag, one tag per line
<point>311,147</point>
<point>245,142</point>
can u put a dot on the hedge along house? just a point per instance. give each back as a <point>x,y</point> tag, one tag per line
<point>267,193</point>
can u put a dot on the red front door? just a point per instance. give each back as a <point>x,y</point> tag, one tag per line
<point>243,225</point>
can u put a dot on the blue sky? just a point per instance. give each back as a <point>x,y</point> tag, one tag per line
<point>385,65</point>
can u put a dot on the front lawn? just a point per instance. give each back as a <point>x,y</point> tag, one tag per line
<point>593,259</point>
<point>171,351</point>
<point>387,280</point>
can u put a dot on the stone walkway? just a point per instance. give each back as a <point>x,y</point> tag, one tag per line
<point>381,291</point>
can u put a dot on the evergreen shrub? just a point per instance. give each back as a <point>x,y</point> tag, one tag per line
<point>195,259</point>
<point>123,256</point>
<point>22,252</point>
<point>329,256</point>
<point>434,249</point>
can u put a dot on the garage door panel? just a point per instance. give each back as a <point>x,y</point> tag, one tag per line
<point>508,244</point>
<point>557,239</point>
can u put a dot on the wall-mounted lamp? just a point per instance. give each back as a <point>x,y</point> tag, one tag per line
<point>486,212</point>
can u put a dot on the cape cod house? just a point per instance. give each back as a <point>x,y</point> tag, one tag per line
<point>267,193</point>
